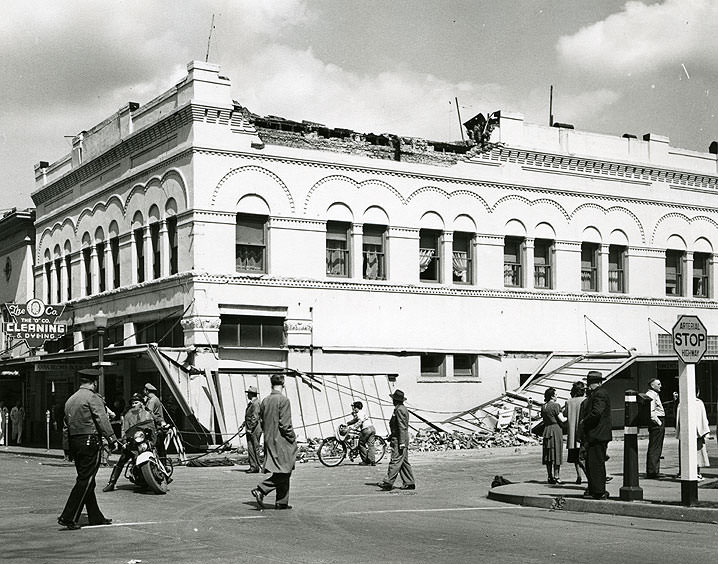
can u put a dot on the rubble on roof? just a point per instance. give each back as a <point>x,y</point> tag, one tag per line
<point>276,130</point>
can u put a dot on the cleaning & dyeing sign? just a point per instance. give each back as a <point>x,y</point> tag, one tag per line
<point>34,322</point>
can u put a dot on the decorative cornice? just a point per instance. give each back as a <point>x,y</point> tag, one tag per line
<point>444,178</point>
<point>438,290</point>
<point>297,326</point>
<point>595,168</point>
<point>200,322</point>
<point>106,160</point>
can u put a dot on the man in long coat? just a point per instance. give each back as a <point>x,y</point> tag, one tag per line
<point>399,464</point>
<point>595,422</point>
<point>280,445</point>
<point>253,429</point>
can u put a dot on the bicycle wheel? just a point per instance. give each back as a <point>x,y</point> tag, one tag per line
<point>331,452</point>
<point>379,448</point>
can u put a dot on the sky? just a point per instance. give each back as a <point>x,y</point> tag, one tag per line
<point>382,66</point>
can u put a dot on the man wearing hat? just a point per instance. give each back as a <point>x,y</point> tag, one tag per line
<point>84,424</point>
<point>399,439</point>
<point>154,406</point>
<point>595,422</point>
<point>136,414</point>
<point>280,445</point>
<point>253,429</point>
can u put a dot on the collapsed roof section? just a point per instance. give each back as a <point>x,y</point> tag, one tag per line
<point>276,130</point>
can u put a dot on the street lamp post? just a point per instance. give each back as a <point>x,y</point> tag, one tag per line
<point>101,326</point>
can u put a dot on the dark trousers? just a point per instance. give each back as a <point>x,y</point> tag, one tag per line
<point>86,451</point>
<point>656,434</point>
<point>596,468</point>
<point>279,482</point>
<point>253,448</point>
<point>399,465</point>
<point>119,465</point>
<point>366,445</point>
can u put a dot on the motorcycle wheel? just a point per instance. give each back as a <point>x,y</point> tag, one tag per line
<point>331,452</point>
<point>379,448</point>
<point>154,477</point>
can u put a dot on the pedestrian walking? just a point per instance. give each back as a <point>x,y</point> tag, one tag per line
<point>399,440</point>
<point>84,424</point>
<point>656,430</point>
<point>367,433</point>
<point>573,439</point>
<point>595,422</point>
<point>3,424</point>
<point>703,431</point>
<point>552,454</point>
<point>280,445</point>
<point>253,429</point>
<point>17,419</point>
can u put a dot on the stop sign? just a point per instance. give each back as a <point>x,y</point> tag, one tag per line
<point>690,339</point>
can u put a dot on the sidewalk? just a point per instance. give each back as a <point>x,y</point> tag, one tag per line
<point>661,498</point>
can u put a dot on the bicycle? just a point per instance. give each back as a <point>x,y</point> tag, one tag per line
<point>333,450</point>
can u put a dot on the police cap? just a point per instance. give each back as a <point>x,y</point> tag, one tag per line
<point>88,374</point>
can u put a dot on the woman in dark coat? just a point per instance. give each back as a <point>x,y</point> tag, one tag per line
<point>552,436</point>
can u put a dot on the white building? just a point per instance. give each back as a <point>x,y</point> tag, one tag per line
<point>249,244</point>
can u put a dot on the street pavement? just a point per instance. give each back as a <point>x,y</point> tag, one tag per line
<point>340,516</point>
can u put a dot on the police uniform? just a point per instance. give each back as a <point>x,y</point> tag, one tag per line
<point>154,406</point>
<point>84,424</point>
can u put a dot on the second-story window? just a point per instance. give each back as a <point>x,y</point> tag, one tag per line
<point>87,265</point>
<point>101,271</point>
<point>616,268</point>
<point>543,253</point>
<point>156,254</point>
<point>174,244</point>
<point>48,281</point>
<point>251,243</point>
<point>337,249</point>
<point>68,275</point>
<point>674,272</point>
<point>373,249</point>
<point>700,274</point>
<point>429,255</point>
<point>589,267</point>
<point>115,257</point>
<point>462,259</point>
<point>140,253</point>
<point>513,262</point>
<point>58,280</point>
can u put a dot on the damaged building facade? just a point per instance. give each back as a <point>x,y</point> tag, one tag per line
<point>223,246</point>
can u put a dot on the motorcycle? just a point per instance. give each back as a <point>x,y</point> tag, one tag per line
<point>144,468</point>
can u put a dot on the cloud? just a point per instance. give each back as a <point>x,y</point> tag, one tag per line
<point>297,85</point>
<point>644,38</point>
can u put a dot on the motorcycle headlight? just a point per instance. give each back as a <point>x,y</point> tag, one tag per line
<point>142,447</point>
<point>139,436</point>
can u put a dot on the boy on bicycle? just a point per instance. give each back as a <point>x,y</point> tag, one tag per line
<point>363,424</point>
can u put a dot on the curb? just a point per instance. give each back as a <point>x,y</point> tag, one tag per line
<point>643,509</point>
<point>34,453</point>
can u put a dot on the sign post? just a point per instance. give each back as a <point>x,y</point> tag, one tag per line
<point>690,342</point>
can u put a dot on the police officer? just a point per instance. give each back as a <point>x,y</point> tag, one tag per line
<point>84,424</point>
<point>154,406</point>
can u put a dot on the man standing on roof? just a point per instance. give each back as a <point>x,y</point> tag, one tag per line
<point>656,430</point>
<point>253,430</point>
<point>399,439</point>
<point>85,423</point>
<point>154,406</point>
